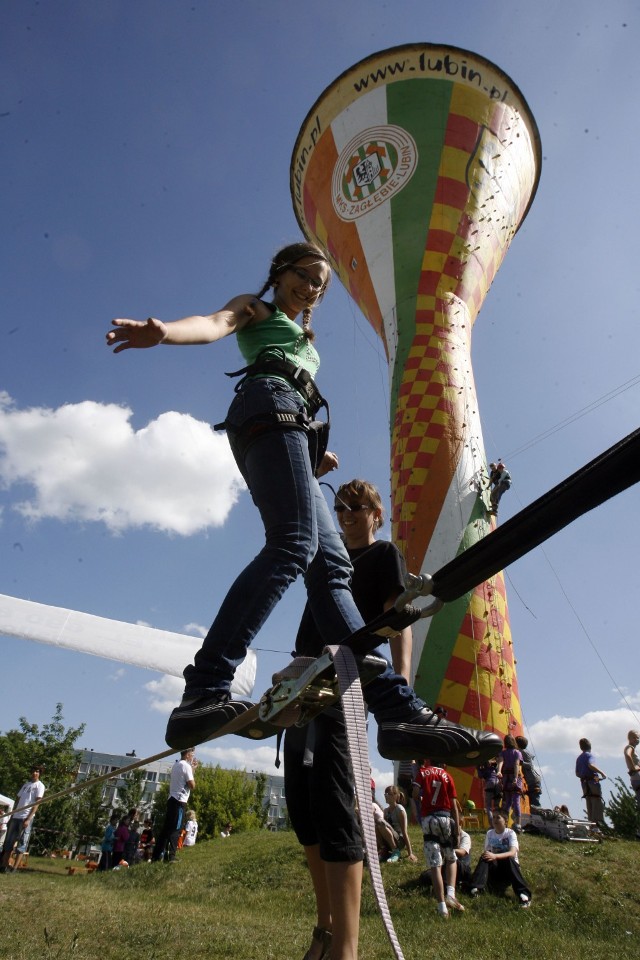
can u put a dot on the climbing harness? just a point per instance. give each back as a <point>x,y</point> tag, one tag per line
<point>439,828</point>
<point>266,364</point>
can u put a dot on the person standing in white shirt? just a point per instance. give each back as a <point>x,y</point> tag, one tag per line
<point>181,784</point>
<point>19,828</point>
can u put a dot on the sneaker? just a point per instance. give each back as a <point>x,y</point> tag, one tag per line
<point>393,857</point>
<point>474,892</point>
<point>454,904</point>
<point>443,913</point>
<point>197,719</point>
<point>524,901</point>
<point>426,734</point>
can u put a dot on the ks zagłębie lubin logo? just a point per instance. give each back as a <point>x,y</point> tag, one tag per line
<point>374,166</point>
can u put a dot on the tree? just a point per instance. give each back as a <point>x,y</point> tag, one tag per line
<point>623,811</point>
<point>260,806</point>
<point>159,810</point>
<point>220,797</point>
<point>91,814</point>
<point>131,790</point>
<point>52,748</point>
<point>225,796</point>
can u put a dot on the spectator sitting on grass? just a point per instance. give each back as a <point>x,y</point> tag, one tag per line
<point>498,866</point>
<point>392,832</point>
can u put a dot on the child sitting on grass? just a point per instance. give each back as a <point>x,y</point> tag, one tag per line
<point>498,866</point>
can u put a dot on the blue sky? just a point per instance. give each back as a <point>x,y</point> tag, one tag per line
<point>145,158</point>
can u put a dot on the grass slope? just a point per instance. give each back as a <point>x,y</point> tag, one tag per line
<point>249,897</point>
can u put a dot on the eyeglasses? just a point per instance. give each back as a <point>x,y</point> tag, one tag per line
<point>307,278</point>
<point>352,508</point>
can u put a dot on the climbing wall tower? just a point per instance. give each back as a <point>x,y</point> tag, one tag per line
<point>414,169</point>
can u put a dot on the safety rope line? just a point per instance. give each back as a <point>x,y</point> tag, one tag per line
<point>237,723</point>
<point>496,641</point>
<point>533,752</point>
<point>476,674</point>
<point>355,723</point>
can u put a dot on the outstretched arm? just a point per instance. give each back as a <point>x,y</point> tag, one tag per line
<point>140,334</point>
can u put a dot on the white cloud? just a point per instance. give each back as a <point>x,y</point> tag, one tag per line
<point>196,630</point>
<point>117,674</point>
<point>85,462</point>
<point>606,729</point>
<point>245,755</point>
<point>165,693</point>
<point>382,779</point>
<point>239,757</point>
<point>630,699</point>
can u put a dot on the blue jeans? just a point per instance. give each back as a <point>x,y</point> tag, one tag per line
<point>498,490</point>
<point>300,539</point>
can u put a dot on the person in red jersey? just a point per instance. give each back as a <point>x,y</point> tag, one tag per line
<point>434,788</point>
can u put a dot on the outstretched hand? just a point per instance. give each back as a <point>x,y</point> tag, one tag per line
<point>136,334</point>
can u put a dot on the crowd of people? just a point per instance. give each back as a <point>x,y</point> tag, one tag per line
<point>433,804</point>
<point>506,780</point>
<point>125,844</point>
<point>447,845</point>
<point>128,840</point>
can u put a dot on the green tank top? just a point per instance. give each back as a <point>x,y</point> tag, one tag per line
<point>279,331</point>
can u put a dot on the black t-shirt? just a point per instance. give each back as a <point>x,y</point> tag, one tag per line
<point>378,573</point>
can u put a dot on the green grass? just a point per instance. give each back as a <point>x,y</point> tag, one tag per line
<point>249,898</point>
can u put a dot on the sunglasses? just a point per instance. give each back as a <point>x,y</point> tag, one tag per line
<point>353,508</point>
<point>307,278</point>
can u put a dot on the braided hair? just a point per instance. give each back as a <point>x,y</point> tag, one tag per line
<point>286,258</point>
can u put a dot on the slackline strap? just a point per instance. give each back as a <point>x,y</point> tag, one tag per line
<point>607,475</point>
<point>356,729</point>
<point>355,723</point>
<point>237,723</point>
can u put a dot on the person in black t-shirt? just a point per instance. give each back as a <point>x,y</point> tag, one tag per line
<point>320,797</point>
